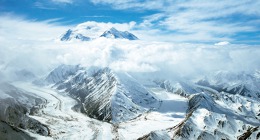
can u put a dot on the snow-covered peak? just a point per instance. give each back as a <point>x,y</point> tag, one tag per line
<point>69,35</point>
<point>84,32</point>
<point>90,31</point>
<point>104,94</point>
<point>114,33</point>
<point>66,36</point>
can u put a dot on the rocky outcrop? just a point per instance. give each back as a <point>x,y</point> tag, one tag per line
<point>15,106</point>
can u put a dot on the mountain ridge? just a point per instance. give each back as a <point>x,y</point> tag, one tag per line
<point>212,107</point>
<point>105,95</point>
<point>86,33</point>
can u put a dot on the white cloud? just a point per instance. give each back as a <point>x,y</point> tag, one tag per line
<point>51,4</point>
<point>223,43</point>
<point>17,28</point>
<point>221,8</point>
<point>137,4</point>
<point>198,19</point>
<point>27,45</point>
<point>21,38</point>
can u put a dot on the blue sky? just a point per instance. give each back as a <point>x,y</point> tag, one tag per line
<point>70,12</point>
<point>196,21</point>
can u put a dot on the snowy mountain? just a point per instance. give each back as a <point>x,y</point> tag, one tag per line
<point>178,87</point>
<point>114,33</point>
<point>61,73</point>
<point>224,116</point>
<point>110,104</point>
<point>86,32</point>
<point>104,94</point>
<point>224,105</point>
<point>212,113</point>
<point>234,83</point>
<point>161,87</point>
<point>69,35</point>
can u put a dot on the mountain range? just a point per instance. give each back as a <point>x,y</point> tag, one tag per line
<point>113,95</point>
<point>207,109</point>
<point>85,33</point>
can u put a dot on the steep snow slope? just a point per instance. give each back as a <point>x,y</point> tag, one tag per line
<point>178,87</point>
<point>107,95</point>
<point>61,73</point>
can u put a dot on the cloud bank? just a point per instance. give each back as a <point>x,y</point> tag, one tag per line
<point>33,48</point>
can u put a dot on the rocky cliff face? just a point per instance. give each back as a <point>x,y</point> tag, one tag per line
<point>15,106</point>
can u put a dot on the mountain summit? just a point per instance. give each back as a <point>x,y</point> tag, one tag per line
<point>104,95</point>
<point>114,33</point>
<point>86,32</point>
<point>69,35</point>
